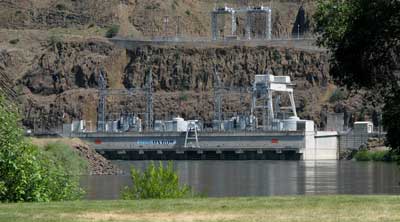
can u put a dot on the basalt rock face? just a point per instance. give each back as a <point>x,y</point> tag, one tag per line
<point>57,82</point>
<point>60,86</point>
<point>191,68</point>
<point>67,65</point>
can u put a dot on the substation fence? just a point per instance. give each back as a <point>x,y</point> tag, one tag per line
<point>355,140</point>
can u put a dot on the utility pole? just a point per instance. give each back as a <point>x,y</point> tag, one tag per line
<point>149,102</point>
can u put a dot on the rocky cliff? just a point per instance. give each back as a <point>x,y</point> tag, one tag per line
<point>51,53</point>
<point>60,83</point>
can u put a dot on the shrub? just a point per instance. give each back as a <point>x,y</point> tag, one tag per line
<point>14,41</point>
<point>362,155</point>
<point>338,95</point>
<point>26,174</point>
<point>61,7</point>
<point>112,31</point>
<point>379,155</point>
<point>153,6</point>
<point>157,182</point>
<point>183,97</point>
<point>55,41</point>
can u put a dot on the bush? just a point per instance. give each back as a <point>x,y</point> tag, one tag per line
<point>112,31</point>
<point>55,41</point>
<point>338,95</point>
<point>26,173</point>
<point>61,7</point>
<point>362,155</point>
<point>379,155</point>
<point>183,97</point>
<point>14,41</point>
<point>157,182</point>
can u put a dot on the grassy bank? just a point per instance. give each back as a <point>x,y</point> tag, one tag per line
<point>62,152</point>
<point>310,208</point>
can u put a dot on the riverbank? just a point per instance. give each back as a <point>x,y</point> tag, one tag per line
<point>97,164</point>
<point>291,208</point>
<point>373,150</point>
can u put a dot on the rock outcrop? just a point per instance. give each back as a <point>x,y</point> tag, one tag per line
<point>98,165</point>
<point>61,84</point>
<point>52,69</point>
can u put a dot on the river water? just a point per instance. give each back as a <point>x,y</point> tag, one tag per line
<point>264,178</point>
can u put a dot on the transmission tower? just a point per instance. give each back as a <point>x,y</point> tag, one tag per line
<point>217,98</point>
<point>101,109</point>
<point>149,102</point>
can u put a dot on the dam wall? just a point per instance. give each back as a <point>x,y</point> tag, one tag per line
<point>291,145</point>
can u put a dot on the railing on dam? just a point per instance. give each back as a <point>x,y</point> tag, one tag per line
<point>201,133</point>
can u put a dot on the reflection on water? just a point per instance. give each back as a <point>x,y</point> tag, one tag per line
<point>264,178</point>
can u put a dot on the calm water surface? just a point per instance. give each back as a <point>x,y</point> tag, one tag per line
<point>264,178</point>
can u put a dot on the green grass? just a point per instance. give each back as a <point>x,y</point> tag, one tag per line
<point>295,208</point>
<point>64,155</point>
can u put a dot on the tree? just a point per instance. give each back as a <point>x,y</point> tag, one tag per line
<point>391,120</point>
<point>26,173</point>
<point>363,37</point>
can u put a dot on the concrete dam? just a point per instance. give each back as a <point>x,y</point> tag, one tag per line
<point>294,145</point>
<point>267,132</point>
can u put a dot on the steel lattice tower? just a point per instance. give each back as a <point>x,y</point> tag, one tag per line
<point>101,109</point>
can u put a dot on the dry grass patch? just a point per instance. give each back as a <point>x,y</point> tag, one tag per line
<point>165,217</point>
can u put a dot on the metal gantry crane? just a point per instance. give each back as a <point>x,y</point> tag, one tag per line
<point>264,88</point>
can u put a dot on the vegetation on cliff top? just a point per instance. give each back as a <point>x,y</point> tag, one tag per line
<point>28,173</point>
